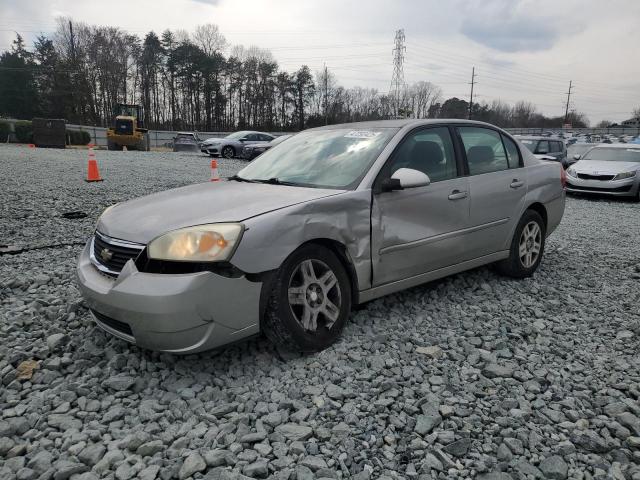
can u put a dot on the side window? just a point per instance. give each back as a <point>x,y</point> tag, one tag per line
<point>484,150</point>
<point>252,137</point>
<point>429,151</point>
<point>266,138</point>
<point>543,147</point>
<point>513,155</point>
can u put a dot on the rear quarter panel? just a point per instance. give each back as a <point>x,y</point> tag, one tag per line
<point>544,186</point>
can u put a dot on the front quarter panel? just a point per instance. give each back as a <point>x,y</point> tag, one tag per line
<point>345,218</point>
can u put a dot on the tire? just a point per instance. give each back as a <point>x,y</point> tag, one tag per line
<point>298,301</point>
<point>228,152</point>
<point>531,233</point>
<point>113,146</point>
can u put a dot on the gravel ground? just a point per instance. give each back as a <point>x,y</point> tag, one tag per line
<point>474,376</point>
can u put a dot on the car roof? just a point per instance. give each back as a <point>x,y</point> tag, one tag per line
<point>537,137</point>
<point>404,122</point>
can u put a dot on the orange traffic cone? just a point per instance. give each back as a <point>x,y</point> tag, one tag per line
<point>215,177</point>
<point>93,175</point>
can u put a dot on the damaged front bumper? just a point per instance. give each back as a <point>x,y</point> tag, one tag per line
<point>181,313</point>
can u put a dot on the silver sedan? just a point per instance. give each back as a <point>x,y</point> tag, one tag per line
<point>331,218</point>
<point>231,146</point>
<point>607,169</point>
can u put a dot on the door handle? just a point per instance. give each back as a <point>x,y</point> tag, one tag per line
<point>457,195</point>
<point>516,183</point>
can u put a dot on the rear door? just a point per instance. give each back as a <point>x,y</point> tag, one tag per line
<point>497,187</point>
<point>421,229</point>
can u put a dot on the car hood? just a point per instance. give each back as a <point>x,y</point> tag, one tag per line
<point>143,219</point>
<point>603,166</point>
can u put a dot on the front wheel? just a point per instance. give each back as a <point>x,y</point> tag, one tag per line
<point>527,247</point>
<point>310,301</point>
<point>228,152</point>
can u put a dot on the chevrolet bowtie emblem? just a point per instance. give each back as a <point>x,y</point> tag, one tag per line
<point>106,254</point>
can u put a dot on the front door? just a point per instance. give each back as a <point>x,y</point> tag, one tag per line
<point>421,229</point>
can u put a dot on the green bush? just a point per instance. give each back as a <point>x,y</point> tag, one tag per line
<point>78,137</point>
<point>24,131</point>
<point>5,130</point>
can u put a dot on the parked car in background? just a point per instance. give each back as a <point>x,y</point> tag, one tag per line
<point>333,217</point>
<point>186,142</point>
<point>609,169</point>
<point>249,152</point>
<point>550,148</point>
<point>231,146</point>
<point>576,151</point>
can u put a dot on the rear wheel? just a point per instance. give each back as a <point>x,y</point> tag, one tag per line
<point>527,247</point>
<point>113,146</point>
<point>228,152</point>
<point>310,301</point>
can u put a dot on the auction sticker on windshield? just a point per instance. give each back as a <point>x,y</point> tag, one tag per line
<point>362,134</point>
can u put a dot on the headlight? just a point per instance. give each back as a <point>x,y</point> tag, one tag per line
<point>572,173</point>
<point>202,243</point>
<point>623,175</point>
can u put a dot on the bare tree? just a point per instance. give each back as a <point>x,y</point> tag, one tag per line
<point>636,112</point>
<point>209,38</point>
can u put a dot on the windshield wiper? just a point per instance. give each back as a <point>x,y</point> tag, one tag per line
<point>276,181</point>
<point>242,179</point>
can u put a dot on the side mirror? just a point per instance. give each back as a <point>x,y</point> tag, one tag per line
<point>405,178</point>
<point>244,139</point>
<point>576,157</point>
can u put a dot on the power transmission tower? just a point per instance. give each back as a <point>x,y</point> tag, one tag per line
<point>397,81</point>
<point>473,82</point>
<point>566,110</point>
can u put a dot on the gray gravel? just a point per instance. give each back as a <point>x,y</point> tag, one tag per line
<point>474,376</point>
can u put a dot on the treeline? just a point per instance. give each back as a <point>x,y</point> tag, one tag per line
<point>197,81</point>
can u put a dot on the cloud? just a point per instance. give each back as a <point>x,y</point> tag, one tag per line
<point>513,26</point>
<point>208,2</point>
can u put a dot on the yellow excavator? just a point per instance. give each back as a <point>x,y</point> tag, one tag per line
<point>128,129</point>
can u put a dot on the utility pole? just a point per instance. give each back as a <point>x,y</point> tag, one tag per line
<point>73,46</point>
<point>566,110</point>
<point>326,94</point>
<point>473,81</point>
<point>397,81</point>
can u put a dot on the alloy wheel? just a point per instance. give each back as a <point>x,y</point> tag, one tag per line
<point>314,295</point>
<point>530,244</point>
<point>227,152</point>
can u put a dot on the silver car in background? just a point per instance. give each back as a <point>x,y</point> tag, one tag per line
<point>608,169</point>
<point>331,218</point>
<point>249,152</point>
<point>231,146</point>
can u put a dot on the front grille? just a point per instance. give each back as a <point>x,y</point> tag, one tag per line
<point>113,323</point>
<point>113,254</point>
<point>603,178</point>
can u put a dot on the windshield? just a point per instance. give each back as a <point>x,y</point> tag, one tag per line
<point>530,144</point>
<point>237,135</point>
<point>321,158</point>
<point>613,154</point>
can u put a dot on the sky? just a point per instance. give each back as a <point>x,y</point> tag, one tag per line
<point>521,49</point>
